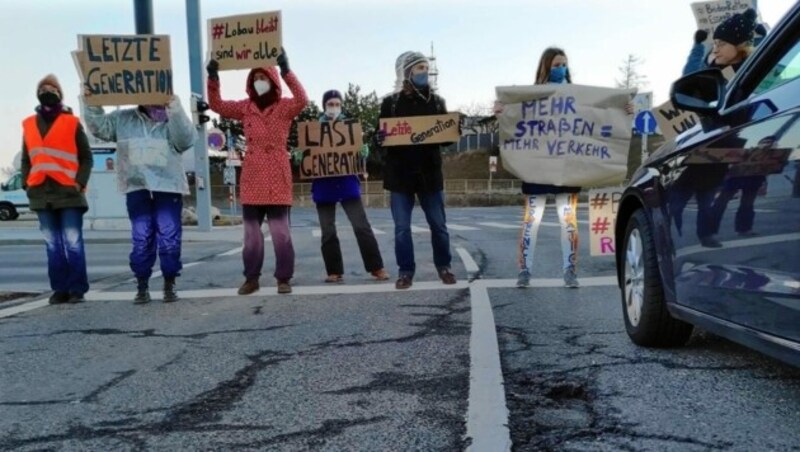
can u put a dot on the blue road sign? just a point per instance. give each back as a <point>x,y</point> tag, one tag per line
<point>645,122</point>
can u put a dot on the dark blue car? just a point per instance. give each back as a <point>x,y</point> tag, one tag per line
<point>708,229</point>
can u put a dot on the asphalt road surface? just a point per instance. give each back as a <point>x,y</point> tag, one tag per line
<point>360,366</point>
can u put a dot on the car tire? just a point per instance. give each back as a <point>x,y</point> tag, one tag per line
<point>7,212</point>
<point>644,308</point>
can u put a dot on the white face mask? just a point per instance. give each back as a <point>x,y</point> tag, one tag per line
<point>333,112</point>
<point>261,86</point>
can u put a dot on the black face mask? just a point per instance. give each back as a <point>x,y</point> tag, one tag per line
<point>48,99</point>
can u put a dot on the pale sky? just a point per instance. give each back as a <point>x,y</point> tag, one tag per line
<point>479,44</point>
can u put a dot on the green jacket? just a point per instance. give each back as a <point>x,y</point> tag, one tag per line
<point>52,195</point>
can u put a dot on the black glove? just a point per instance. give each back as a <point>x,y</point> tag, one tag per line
<point>283,63</point>
<point>213,70</point>
<point>700,36</point>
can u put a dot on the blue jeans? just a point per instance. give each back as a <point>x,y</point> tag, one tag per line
<point>66,257</point>
<point>155,225</point>
<point>432,204</point>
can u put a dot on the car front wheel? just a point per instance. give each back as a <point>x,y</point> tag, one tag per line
<point>7,212</point>
<point>647,320</point>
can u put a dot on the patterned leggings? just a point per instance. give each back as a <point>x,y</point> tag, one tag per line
<point>566,205</point>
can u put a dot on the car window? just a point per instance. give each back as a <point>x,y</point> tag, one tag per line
<point>15,183</point>
<point>787,69</point>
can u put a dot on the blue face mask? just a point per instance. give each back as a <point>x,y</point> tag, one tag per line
<point>420,80</point>
<point>558,74</point>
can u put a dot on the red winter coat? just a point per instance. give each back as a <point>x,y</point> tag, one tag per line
<point>266,172</point>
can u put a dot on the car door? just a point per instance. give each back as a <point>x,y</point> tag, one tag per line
<point>745,189</point>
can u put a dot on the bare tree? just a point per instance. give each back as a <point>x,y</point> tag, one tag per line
<point>6,172</point>
<point>630,77</point>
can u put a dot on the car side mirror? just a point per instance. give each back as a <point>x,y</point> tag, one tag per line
<point>700,92</point>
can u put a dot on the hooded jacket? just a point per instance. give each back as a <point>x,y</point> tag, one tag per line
<point>266,170</point>
<point>148,152</point>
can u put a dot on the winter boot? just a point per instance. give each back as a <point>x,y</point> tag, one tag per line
<point>170,295</point>
<point>142,291</point>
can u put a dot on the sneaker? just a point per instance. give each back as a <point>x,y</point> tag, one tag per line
<point>334,278</point>
<point>380,275</point>
<point>571,279</point>
<point>710,242</point>
<point>58,298</point>
<point>447,277</point>
<point>524,279</point>
<point>284,287</point>
<point>170,295</point>
<point>249,286</point>
<point>403,282</point>
<point>75,298</point>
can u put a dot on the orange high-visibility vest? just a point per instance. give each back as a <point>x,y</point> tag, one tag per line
<point>54,156</point>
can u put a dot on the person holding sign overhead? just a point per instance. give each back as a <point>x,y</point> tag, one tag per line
<point>150,140</point>
<point>56,162</point>
<point>415,171</point>
<point>329,191</point>
<point>266,183</point>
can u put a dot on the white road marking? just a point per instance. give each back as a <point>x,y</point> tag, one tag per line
<point>339,289</point>
<point>415,228</point>
<point>469,263</point>
<point>458,227</point>
<point>733,244</point>
<point>592,281</point>
<point>487,414</point>
<point>8,312</point>
<point>377,231</point>
<point>232,252</point>
<point>502,225</point>
<point>316,232</point>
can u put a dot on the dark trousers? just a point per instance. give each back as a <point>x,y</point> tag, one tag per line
<point>155,228</point>
<point>332,252</point>
<point>253,253</point>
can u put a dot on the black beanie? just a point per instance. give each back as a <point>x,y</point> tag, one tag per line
<point>738,28</point>
<point>331,94</point>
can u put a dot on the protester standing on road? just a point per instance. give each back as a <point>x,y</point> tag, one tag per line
<point>56,162</point>
<point>150,140</point>
<point>416,171</point>
<point>327,192</point>
<point>553,68</point>
<point>266,184</point>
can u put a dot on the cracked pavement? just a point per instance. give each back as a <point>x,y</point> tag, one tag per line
<point>378,371</point>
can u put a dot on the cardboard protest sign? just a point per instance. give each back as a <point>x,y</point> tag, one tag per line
<point>673,121</point>
<point>245,41</point>
<point>568,135</point>
<point>430,129</point>
<point>603,206</point>
<point>330,148</point>
<point>125,69</point>
<point>710,14</point>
